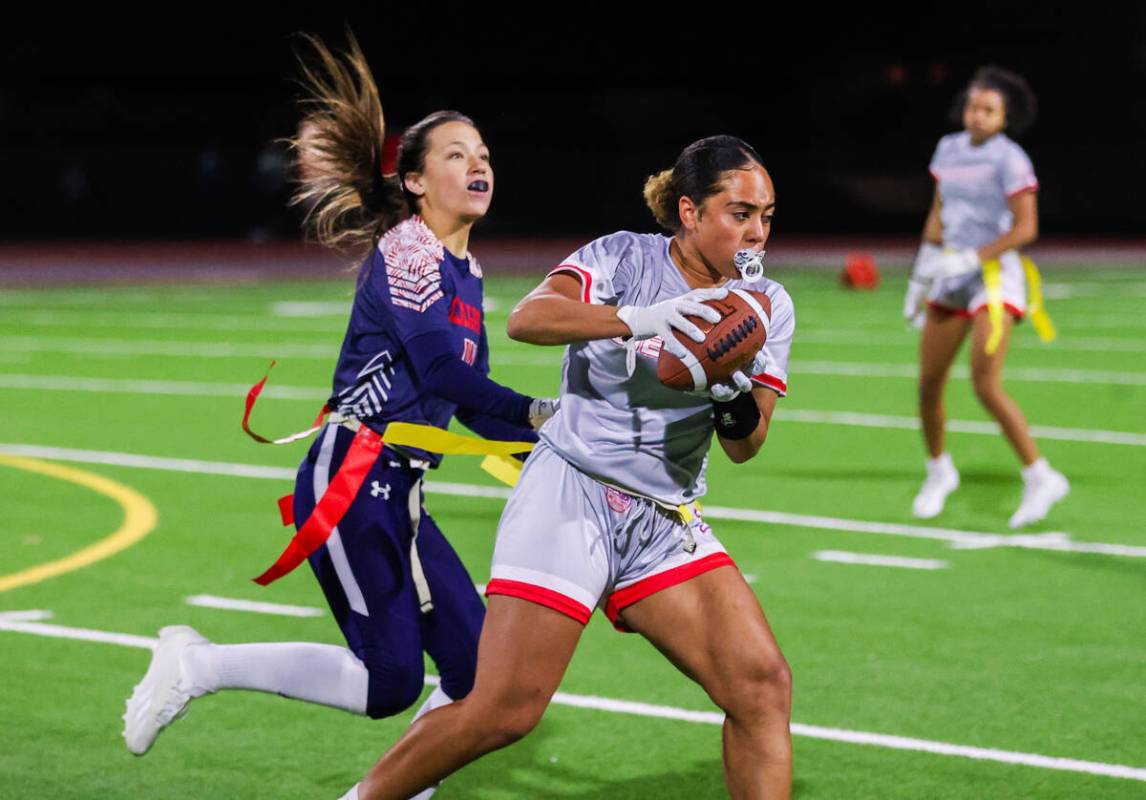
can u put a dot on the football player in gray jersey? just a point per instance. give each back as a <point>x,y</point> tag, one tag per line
<point>602,516</point>
<point>985,208</point>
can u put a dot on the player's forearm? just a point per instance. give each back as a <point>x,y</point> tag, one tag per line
<point>552,319</point>
<point>933,227</point>
<point>741,450</point>
<point>731,416</point>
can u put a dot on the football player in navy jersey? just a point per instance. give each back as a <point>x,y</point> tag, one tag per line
<point>605,513</point>
<point>415,351</point>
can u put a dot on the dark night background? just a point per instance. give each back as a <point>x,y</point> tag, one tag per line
<point>115,133</point>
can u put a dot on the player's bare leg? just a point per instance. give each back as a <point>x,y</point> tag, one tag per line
<point>522,656</point>
<point>1042,485</point>
<point>713,629</point>
<point>987,375</point>
<point>943,333</point>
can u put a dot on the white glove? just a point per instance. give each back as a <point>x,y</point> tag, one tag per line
<point>541,409</point>
<point>914,303</point>
<point>660,319</point>
<point>737,382</point>
<point>922,276</point>
<point>952,263</point>
<point>922,270</point>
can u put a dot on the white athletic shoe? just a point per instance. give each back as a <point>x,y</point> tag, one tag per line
<point>162,696</point>
<point>1042,489</point>
<point>942,480</point>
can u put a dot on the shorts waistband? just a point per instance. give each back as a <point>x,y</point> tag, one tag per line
<point>389,451</point>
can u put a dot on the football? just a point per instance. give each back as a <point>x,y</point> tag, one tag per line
<point>729,345</point>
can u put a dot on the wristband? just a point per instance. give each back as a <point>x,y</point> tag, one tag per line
<point>738,418</point>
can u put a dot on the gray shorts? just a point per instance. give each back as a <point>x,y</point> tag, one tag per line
<point>966,295</point>
<point>571,543</point>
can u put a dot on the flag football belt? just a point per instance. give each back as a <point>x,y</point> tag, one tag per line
<point>1036,308</point>
<point>365,449</point>
<point>688,514</point>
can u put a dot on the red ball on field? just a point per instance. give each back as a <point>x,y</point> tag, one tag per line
<point>729,345</point>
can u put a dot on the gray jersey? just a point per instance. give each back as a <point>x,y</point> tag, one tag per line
<point>975,183</point>
<point>631,430</point>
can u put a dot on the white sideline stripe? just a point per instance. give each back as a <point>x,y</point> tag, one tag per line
<point>957,538</point>
<point>846,557</point>
<point>65,383</point>
<point>32,615</point>
<point>634,708</point>
<point>961,426</point>
<point>854,369</point>
<point>231,604</point>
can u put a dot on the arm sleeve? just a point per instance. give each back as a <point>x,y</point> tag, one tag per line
<point>1018,173</point>
<point>483,424</point>
<point>779,344</point>
<point>440,371</point>
<point>605,267</point>
<point>489,427</point>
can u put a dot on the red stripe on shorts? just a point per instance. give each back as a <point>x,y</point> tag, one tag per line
<point>1017,313</point>
<point>540,595</point>
<point>623,598</point>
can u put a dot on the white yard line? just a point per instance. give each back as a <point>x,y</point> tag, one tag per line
<point>180,349</point>
<point>169,349</point>
<point>254,606</point>
<point>956,538</point>
<point>82,634</point>
<point>32,615</point>
<point>850,418</point>
<point>868,559</point>
<point>63,383</point>
<point>311,308</point>
<point>910,339</point>
<point>649,710</point>
<point>67,383</point>
<point>854,369</point>
<point>74,318</point>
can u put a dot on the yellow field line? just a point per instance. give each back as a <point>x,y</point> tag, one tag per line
<point>139,518</point>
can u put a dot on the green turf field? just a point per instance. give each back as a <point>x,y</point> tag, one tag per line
<point>1022,652</point>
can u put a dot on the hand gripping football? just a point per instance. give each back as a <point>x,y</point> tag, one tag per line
<point>729,345</point>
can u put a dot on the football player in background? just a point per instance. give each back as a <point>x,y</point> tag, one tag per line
<point>605,515</point>
<point>984,209</point>
<point>415,351</point>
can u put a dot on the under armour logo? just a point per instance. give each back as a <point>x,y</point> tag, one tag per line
<point>377,489</point>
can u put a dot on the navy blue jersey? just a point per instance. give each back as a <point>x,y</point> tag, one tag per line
<point>414,301</point>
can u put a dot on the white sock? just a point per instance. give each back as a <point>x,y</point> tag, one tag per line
<point>352,794</point>
<point>437,699</point>
<point>1039,469</point>
<point>940,462</point>
<point>317,673</point>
